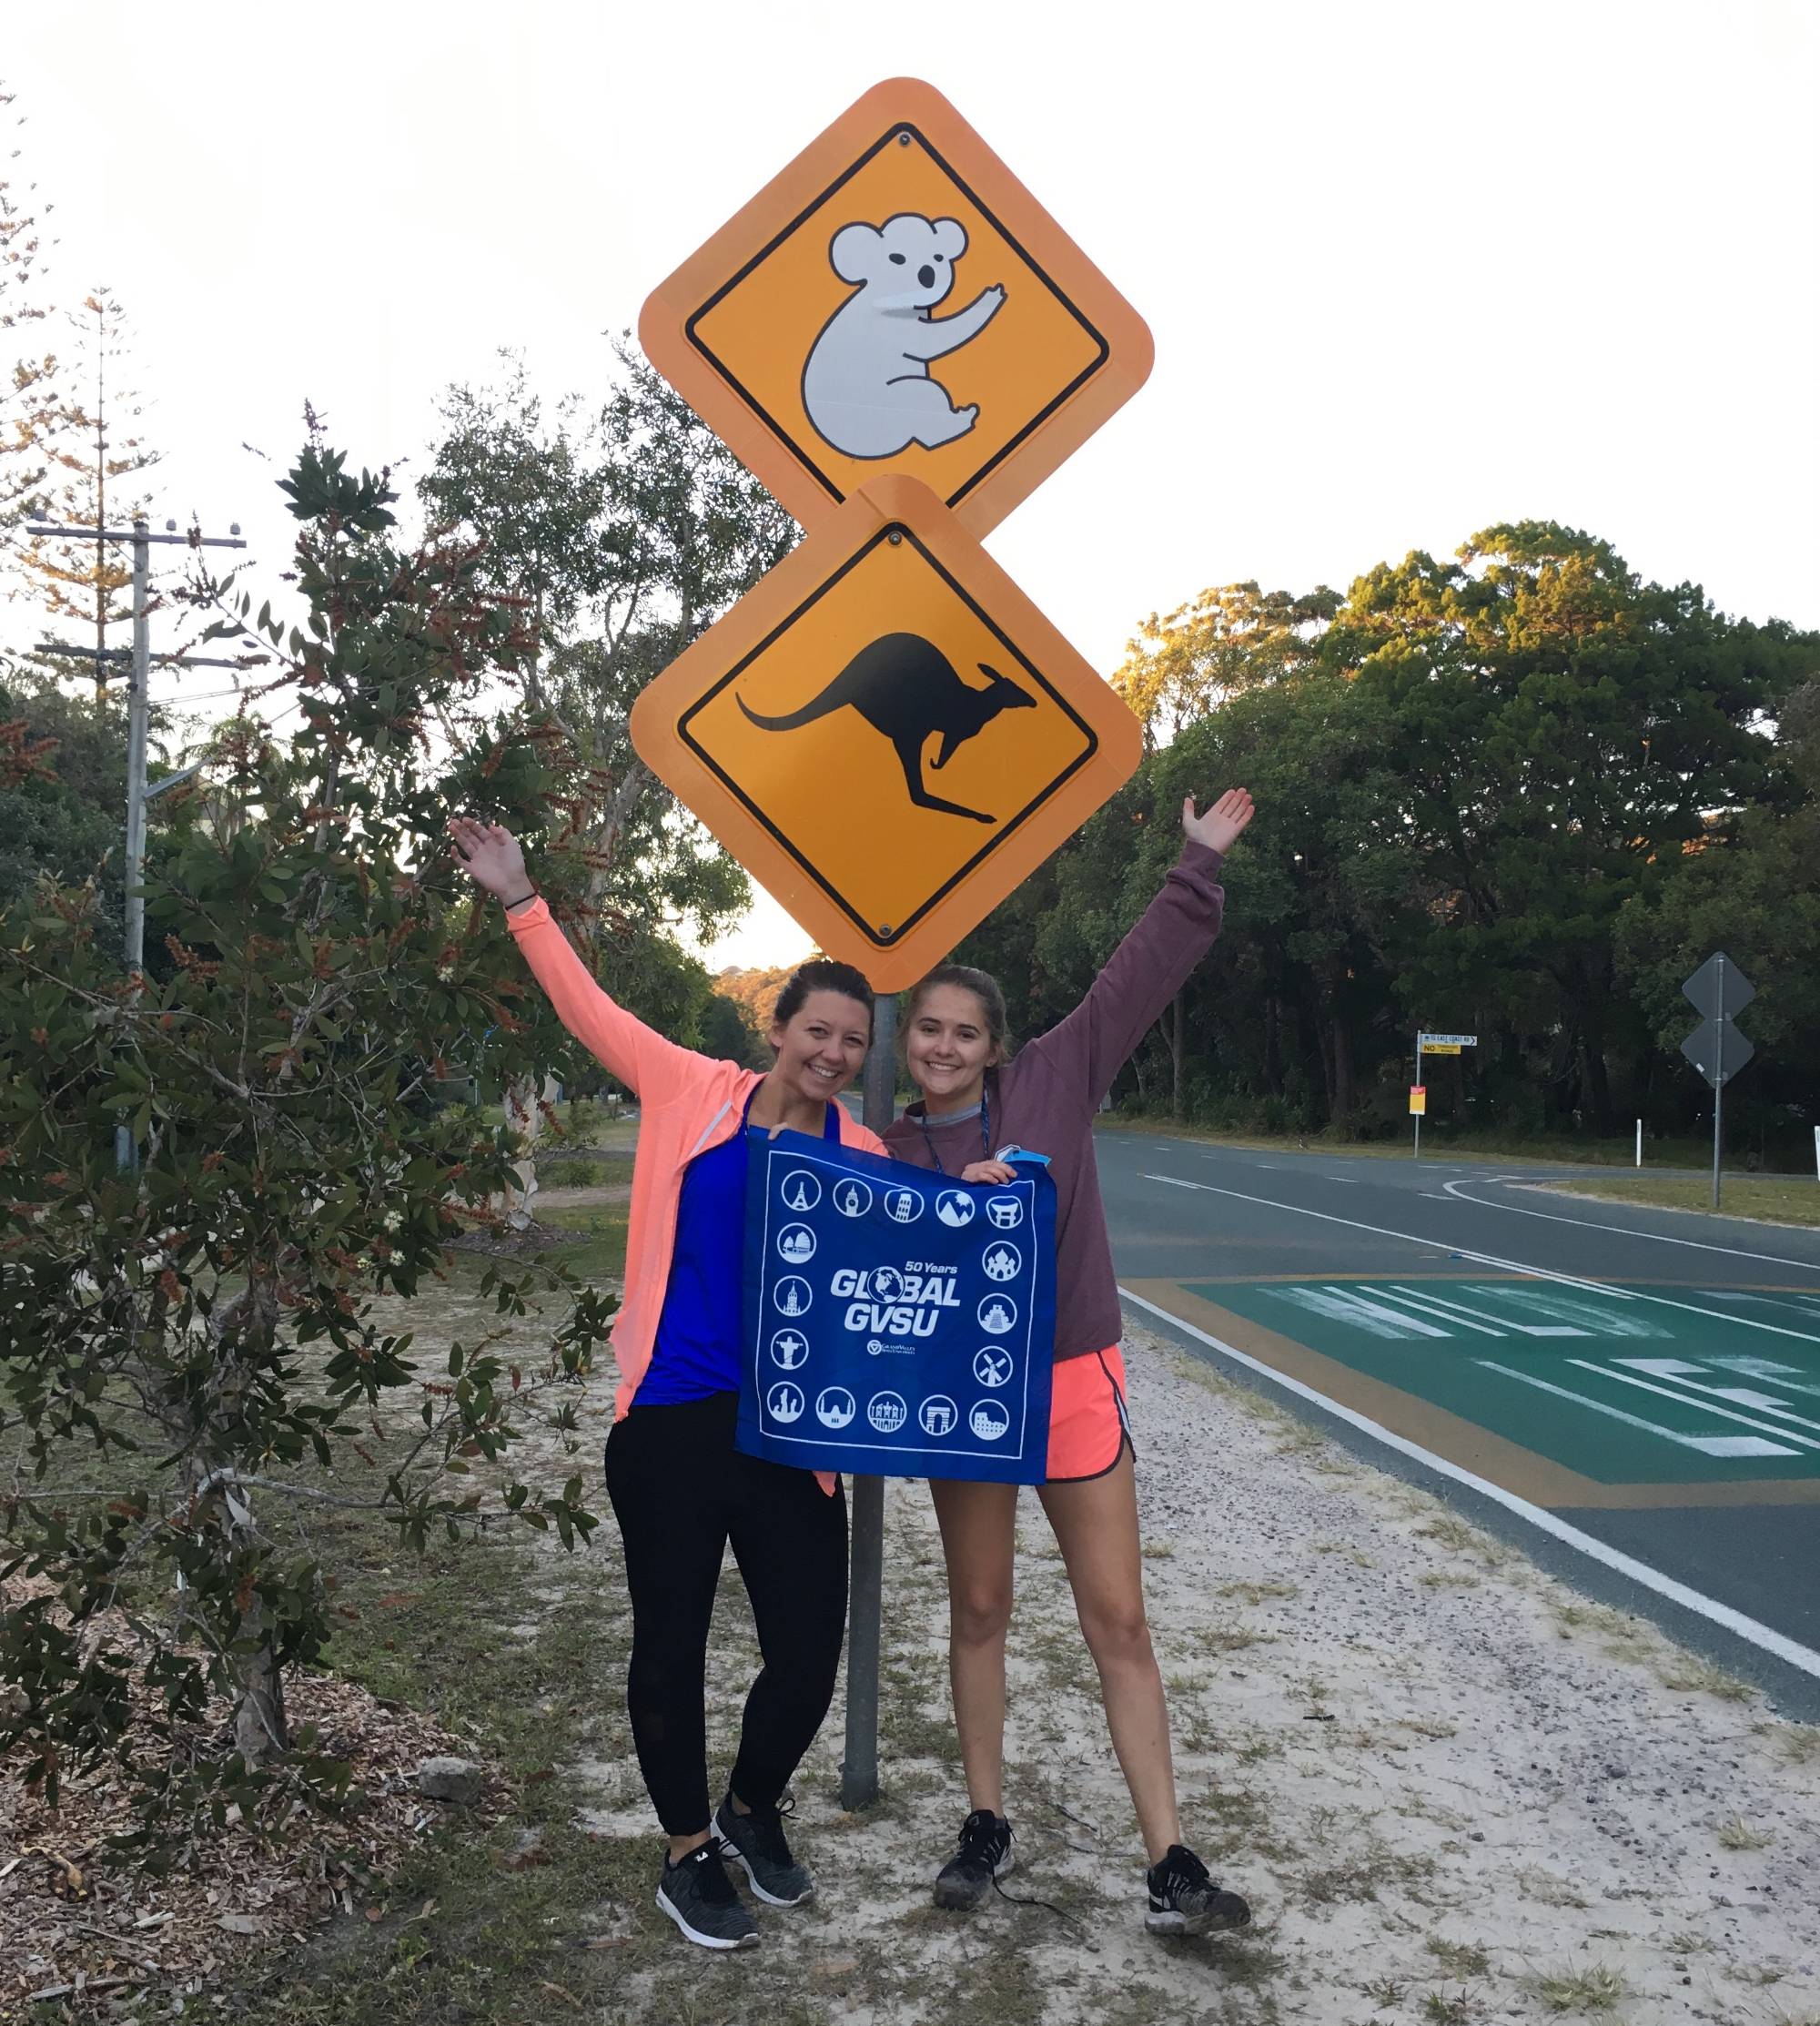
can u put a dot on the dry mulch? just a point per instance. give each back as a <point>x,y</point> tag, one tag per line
<point>80,1922</point>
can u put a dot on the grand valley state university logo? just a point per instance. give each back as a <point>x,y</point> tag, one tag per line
<point>892,1326</point>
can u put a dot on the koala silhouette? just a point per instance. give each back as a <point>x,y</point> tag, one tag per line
<point>866,385</point>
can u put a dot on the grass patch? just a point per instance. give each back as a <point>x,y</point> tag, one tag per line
<point>1736,1834</point>
<point>598,1251</point>
<point>1764,1197</point>
<point>1459,1959</point>
<point>1256,1593</point>
<point>1688,1671</point>
<point>1596,1989</point>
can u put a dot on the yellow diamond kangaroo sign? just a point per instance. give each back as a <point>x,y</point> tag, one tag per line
<point>902,344</point>
<point>887,732</point>
<point>897,302</point>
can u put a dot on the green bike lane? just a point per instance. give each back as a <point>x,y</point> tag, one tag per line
<point>1644,1389</point>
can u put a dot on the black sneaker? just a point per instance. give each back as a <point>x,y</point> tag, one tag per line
<point>699,1896</point>
<point>756,1842</point>
<point>1185,1901</point>
<point>985,1854</point>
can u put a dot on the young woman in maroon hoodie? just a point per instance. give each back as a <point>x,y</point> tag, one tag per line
<point>977,1101</point>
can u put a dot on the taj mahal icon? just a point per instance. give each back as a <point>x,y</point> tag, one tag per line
<point>796,1242</point>
<point>800,1190</point>
<point>788,1349</point>
<point>792,1296</point>
<point>784,1402</point>
<point>1002,1264</point>
<point>852,1199</point>
<point>1005,1212</point>
<point>997,1316</point>
<point>834,1406</point>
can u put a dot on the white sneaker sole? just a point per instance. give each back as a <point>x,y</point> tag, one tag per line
<point>732,1850</point>
<point>770,1899</point>
<point>667,1905</point>
<point>1173,1923</point>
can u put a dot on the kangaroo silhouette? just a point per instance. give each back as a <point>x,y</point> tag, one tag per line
<point>904,687</point>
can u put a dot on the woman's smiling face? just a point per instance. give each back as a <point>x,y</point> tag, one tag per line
<point>948,1047</point>
<point>821,1049</point>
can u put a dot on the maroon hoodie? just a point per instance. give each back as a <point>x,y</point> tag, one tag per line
<point>1045,1097</point>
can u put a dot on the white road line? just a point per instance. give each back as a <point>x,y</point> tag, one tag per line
<point>1708,1445</point>
<point>1624,1230</point>
<point>1682,1373</point>
<point>1766,1637</point>
<point>1487,1258</point>
<point>1681,1398</point>
<point>1448,1312</point>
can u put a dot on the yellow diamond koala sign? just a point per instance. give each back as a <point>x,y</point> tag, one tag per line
<point>895,301</point>
<point>898,339</point>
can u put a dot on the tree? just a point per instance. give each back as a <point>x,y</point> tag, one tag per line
<point>624,535</point>
<point>1750,887</point>
<point>93,448</point>
<point>29,408</point>
<point>203,1323</point>
<point>1227,640</point>
<point>62,817</point>
<point>1562,731</point>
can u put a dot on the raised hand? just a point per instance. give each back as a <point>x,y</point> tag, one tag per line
<point>1219,828</point>
<point>489,855</point>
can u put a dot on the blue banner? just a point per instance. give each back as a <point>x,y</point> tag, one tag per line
<point>897,1323</point>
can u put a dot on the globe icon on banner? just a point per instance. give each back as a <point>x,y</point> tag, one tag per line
<point>887,1283</point>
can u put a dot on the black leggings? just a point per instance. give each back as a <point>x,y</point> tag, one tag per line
<point>680,1491</point>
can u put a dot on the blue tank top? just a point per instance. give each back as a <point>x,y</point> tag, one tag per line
<point>697,1351</point>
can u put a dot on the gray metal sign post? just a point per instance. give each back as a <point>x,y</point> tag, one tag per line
<point>1720,991</point>
<point>1437,1044</point>
<point>859,1764</point>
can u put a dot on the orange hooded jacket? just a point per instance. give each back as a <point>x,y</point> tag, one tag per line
<point>687,1103</point>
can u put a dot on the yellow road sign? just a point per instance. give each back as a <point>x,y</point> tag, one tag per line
<point>897,302</point>
<point>887,732</point>
<point>1419,1099</point>
<point>1440,1048</point>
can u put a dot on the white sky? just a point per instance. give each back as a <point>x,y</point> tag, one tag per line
<point>1412,268</point>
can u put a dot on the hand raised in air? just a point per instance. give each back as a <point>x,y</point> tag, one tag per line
<point>1219,828</point>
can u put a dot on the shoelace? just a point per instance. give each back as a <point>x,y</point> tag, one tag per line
<point>710,1872</point>
<point>769,1827</point>
<point>978,1844</point>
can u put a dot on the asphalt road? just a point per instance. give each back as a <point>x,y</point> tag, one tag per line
<point>1634,1394</point>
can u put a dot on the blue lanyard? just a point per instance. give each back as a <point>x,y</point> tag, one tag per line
<point>985,1132</point>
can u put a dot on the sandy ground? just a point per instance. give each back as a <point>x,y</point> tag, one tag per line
<point>1452,1789</point>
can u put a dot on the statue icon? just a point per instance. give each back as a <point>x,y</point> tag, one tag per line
<point>792,1296</point>
<point>800,1190</point>
<point>783,1402</point>
<point>789,1350</point>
